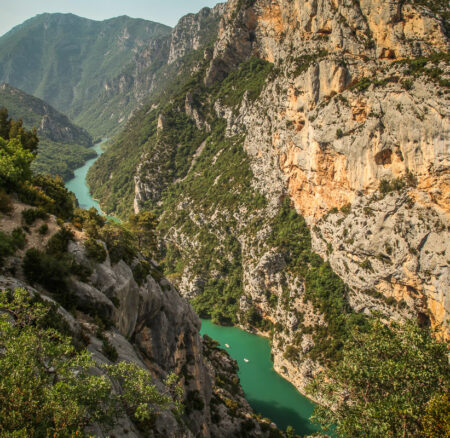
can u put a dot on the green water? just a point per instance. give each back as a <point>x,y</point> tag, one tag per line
<point>267,392</point>
<point>79,186</point>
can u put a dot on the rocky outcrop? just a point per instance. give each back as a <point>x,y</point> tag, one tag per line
<point>337,136</point>
<point>340,118</point>
<point>235,41</point>
<point>150,324</point>
<point>194,31</point>
<point>153,63</point>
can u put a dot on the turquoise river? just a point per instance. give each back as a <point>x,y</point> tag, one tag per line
<point>267,392</point>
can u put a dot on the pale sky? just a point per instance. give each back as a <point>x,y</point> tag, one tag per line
<point>162,11</point>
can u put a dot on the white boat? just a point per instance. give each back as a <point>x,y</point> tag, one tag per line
<point>226,345</point>
<point>246,360</point>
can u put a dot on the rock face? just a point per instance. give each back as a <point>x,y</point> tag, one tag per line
<point>153,61</point>
<point>194,31</point>
<point>346,112</point>
<point>351,125</point>
<point>151,325</point>
<point>351,119</point>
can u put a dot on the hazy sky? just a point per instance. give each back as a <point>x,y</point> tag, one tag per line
<point>163,11</point>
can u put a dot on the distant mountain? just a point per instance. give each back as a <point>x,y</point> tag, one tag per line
<point>70,61</point>
<point>63,146</point>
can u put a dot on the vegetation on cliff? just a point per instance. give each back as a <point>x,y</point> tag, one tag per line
<point>182,161</point>
<point>47,383</point>
<point>52,266</point>
<point>392,381</point>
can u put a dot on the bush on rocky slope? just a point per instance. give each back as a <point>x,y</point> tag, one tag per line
<point>47,387</point>
<point>388,383</point>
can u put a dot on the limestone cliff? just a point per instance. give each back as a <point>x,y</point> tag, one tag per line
<point>351,125</point>
<point>351,107</point>
<point>360,99</point>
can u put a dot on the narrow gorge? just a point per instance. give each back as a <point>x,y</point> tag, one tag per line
<point>278,167</point>
<point>338,111</point>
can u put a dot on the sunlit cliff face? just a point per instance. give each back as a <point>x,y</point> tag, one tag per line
<point>333,139</point>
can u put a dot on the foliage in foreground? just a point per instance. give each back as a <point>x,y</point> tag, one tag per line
<point>392,382</point>
<point>46,384</point>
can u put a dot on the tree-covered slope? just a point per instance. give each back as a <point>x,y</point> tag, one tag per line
<point>63,146</point>
<point>68,60</point>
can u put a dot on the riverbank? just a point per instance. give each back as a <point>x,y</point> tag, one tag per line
<point>267,392</point>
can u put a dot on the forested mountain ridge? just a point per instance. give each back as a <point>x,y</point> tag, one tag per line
<point>34,112</point>
<point>63,146</point>
<point>151,70</point>
<point>300,173</point>
<point>98,73</point>
<point>68,60</point>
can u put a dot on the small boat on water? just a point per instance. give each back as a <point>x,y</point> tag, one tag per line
<point>226,345</point>
<point>246,360</point>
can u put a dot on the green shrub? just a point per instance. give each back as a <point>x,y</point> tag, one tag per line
<point>391,301</point>
<point>120,243</point>
<point>62,201</point>
<point>47,270</point>
<point>346,209</point>
<point>15,163</point>
<point>109,350</point>
<point>390,186</point>
<point>6,205</point>
<point>407,84</point>
<point>339,133</point>
<point>273,301</point>
<point>9,244</point>
<point>58,242</point>
<point>115,301</point>
<point>30,215</point>
<point>88,220</point>
<point>19,238</point>
<point>142,270</point>
<point>7,247</point>
<point>388,248</point>
<point>81,271</point>
<point>291,353</point>
<point>367,265</point>
<point>362,85</point>
<point>50,194</point>
<point>95,250</point>
<point>43,229</point>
